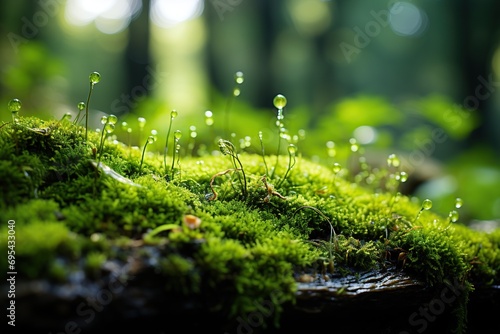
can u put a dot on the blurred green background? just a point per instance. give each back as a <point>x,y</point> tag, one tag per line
<point>415,78</point>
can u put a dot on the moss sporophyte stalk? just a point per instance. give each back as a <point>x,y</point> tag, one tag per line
<point>229,226</point>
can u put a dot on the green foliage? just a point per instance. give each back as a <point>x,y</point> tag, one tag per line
<point>246,248</point>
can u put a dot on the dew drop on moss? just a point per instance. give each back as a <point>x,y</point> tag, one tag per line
<point>292,149</point>
<point>177,134</point>
<point>104,119</point>
<point>458,203</point>
<point>173,114</point>
<point>151,140</point>
<point>80,106</point>
<point>94,77</point>
<point>124,126</point>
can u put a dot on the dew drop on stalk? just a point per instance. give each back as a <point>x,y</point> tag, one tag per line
<point>104,119</point>
<point>142,122</point>
<point>124,126</point>
<point>239,78</point>
<point>14,107</point>
<point>109,128</point>
<point>177,134</point>
<point>154,133</point>
<point>173,114</point>
<point>458,203</point>
<point>354,145</point>
<point>193,133</point>
<point>80,106</point>
<point>453,216</point>
<point>279,101</point>
<point>393,160</point>
<point>151,140</point>
<point>330,147</point>
<point>292,149</point>
<point>337,168</point>
<point>403,177</point>
<point>209,118</point>
<point>112,119</point>
<point>94,77</point>
<point>426,204</point>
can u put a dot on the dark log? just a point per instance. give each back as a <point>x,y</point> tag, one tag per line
<point>129,296</point>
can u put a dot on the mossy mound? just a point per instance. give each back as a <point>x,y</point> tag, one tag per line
<point>219,228</point>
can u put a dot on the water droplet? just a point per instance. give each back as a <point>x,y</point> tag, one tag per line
<point>177,134</point>
<point>109,128</point>
<point>112,119</point>
<point>208,118</point>
<point>292,149</point>
<point>427,204</point>
<point>104,119</point>
<point>330,147</point>
<point>81,106</point>
<point>151,140</point>
<point>15,105</point>
<point>260,135</point>
<point>458,203</point>
<point>124,126</point>
<point>302,134</point>
<point>239,78</point>
<point>236,92</point>
<point>142,122</point>
<point>393,160</point>
<point>279,101</point>
<point>354,145</point>
<point>129,130</point>
<point>453,216</point>
<point>95,77</point>
<point>173,114</point>
<point>403,177</point>
<point>337,168</point>
<point>397,197</point>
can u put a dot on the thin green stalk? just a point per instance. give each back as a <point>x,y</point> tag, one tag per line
<point>87,111</point>
<point>263,153</point>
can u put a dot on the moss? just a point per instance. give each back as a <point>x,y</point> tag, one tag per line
<point>249,242</point>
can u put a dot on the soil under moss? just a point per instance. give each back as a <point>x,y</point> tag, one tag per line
<point>210,234</point>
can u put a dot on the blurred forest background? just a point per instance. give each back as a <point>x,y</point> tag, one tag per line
<point>416,78</point>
